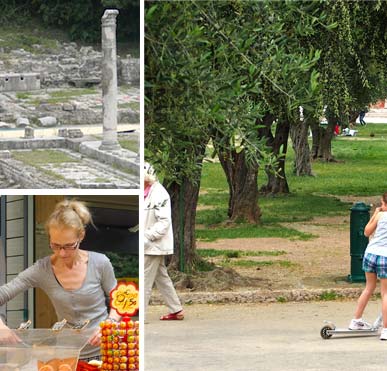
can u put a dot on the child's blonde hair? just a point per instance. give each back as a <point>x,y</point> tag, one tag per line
<point>69,214</point>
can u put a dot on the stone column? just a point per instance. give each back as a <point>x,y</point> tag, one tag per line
<point>109,81</point>
<point>29,132</point>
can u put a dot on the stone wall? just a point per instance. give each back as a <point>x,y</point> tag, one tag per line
<point>122,158</point>
<point>38,143</point>
<point>67,65</point>
<point>129,70</point>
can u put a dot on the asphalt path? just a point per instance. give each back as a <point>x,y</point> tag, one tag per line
<point>277,336</point>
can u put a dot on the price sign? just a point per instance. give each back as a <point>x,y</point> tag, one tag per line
<point>124,298</point>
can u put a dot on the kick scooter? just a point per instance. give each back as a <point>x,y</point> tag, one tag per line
<point>330,329</point>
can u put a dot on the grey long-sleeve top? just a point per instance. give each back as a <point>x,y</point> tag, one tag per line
<point>85,303</point>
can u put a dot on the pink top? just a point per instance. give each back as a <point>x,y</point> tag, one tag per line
<point>146,190</point>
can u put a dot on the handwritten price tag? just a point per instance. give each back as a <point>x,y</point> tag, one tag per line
<point>124,298</point>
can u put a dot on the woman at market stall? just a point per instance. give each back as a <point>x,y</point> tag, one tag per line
<point>76,281</point>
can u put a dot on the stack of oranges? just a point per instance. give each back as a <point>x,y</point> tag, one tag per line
<point>120,345</point>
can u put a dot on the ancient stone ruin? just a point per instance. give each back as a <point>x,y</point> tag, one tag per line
<point>63,116</point>
<point>19,82</point>
<point>109,81</point>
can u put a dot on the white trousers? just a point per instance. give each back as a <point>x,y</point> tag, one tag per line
<point>156,272</point>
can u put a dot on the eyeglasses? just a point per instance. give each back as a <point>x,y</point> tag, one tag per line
<point>68,246</point>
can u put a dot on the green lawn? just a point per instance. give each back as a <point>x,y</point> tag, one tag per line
<point>379,131</point>
<point>360,171</point>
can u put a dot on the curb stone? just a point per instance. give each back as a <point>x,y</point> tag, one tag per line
<point>260,296</point>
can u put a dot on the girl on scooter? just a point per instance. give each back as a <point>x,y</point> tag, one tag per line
<point>374,266</point>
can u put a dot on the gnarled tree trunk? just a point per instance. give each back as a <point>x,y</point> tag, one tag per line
<point>277,182</point>
<point>322,140</point>
<point>325,140</point>
<point>299,134</point>
<point>184,199</point>
<point>242,183</point>
<point>315,128</point>
<point>352,116</point>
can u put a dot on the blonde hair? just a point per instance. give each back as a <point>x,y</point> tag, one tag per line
<point>69,214</point>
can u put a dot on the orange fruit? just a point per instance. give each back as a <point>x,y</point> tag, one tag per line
<point>47,368</point>
<point>65,367</point>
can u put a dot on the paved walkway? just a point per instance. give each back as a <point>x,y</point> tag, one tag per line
<point>253,337</point>
<point>375,116</point>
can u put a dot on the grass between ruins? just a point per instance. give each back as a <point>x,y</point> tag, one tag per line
<point>134,106</point>
<point>101,180</point>
<point>41,157</point>
<point>131,145</point>
<point>54,96</point>
<point>38,158</point>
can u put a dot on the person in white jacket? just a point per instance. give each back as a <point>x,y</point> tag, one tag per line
<point>158,242</point>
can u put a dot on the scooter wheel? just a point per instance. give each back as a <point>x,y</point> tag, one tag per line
<point>324,333</point>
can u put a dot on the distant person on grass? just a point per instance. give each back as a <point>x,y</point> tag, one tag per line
<point>374,266</point>
<point>362,115</point>
<point>158,242</point>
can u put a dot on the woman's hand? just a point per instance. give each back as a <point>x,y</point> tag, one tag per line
<point>8,336</point>
<point>95,339</point>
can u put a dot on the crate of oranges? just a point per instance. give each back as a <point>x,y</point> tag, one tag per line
<point>120,345</point>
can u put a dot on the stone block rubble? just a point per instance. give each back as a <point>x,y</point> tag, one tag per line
<point>66,65</point>
<point>79,110</point>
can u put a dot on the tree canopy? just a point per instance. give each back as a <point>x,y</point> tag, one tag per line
<point>226,70</point>
<point>80,19</point>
